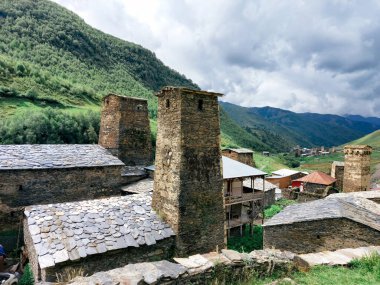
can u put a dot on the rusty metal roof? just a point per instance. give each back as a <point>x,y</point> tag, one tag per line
<point>317,177</point>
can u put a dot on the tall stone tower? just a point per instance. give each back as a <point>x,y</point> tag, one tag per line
<point>188,189</point>
<point>357,174</point>
<point>125,129</point>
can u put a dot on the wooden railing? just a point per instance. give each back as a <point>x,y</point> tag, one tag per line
<point>244,197</point>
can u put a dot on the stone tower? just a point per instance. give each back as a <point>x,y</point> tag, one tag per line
<point>125,129</point>
<point>337,171</point>
<point>357,174</point>
<point>188,189</point>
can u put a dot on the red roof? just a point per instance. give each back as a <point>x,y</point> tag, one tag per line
<point>317,177</point>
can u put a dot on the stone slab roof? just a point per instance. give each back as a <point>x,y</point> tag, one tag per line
<point>360,210</point>
<point>372,194</point>
<point>236,169</point>
<point>45,156</point>
<point>258,184</point>
<point>70,231</point>
<point>142,186</point>
<point>239,150</point>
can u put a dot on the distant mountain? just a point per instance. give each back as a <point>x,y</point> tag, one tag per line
<point>357,118</point>
<point>281,128</point>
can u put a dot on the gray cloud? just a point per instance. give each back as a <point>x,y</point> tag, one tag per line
<point>306,56</point>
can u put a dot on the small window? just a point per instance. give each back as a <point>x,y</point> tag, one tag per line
<point>318,237</point>
<point>200,105</point>
<point>20,188</point>
<point>167,103</point>
<point>139,107</point>
<point>107,102</point>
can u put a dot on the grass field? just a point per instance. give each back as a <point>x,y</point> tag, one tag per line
<point>361,272</point>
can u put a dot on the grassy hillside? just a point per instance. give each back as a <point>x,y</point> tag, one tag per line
<point>372,139</point>
<point>51,57</point>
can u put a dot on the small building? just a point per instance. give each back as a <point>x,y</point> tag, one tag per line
<point>242,155</point>
<point>283,178</point>
<point>337,171</point>
<point>266,153</point>
<point>43,174</point>
<point>94,235</point>
<point>243,202</point>
<point>315,185</point>
<point>327,224</point>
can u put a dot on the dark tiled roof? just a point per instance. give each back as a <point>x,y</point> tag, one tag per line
<point>45,156</point>
<point>78,229</point>
<point>360,210</point>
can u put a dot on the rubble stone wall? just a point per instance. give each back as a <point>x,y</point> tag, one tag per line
<point>357,174</point>
<point>20,188</point>
<point>246,158</point>
<point>188,189</point>
<point>125,129</point>
<point>315,236</point>
<point>227,267</point>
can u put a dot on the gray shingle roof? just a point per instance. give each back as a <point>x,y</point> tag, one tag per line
<point>360,210</point>
<point>239,150</point>
<point>45,156</point>
<point>235,169</point>
<point>78,229</point>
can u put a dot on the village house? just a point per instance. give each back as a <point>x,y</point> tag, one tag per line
<point>283,178</point>
<point>339,221</point>
<point>243,155</point>
<point>36,174</point>
<point>315,185</point>
<point>245,195</point>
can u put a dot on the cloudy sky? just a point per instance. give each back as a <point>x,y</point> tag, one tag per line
<point>305,56</point>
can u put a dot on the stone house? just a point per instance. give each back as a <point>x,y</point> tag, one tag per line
<point>347,221</point>
<point>242,155</point>
<point>315,185</point>
<point>43,174</point>
<point>94,235</point>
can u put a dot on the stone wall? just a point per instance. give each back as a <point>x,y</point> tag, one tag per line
<point>314,236</point>
<point>188,190</point>
<point>246,158</point>
<point>337,171</point>
<point>20,188</point>
<point>357,173</point>
<point>163,249</point>
<point>228,267</point>
<point>269,197</point>
<point>125,129</point>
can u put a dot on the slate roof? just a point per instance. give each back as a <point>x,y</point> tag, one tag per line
<point>372,194</point>
<point>235,169</point>
<point>317,177</point>
<point>360,210</point>
<point>239,150</point>
<point>142,186</point>
<point>258,184</point>
<point>45,156</point>
<point>70,231</point>
<point>284,173</point>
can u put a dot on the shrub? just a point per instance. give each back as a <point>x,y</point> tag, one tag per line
<point>27,277</point>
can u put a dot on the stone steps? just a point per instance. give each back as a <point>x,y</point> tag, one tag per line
<point>338,257</point>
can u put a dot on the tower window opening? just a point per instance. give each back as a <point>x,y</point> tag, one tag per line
<point>167,103</point>
<point>200,105</point>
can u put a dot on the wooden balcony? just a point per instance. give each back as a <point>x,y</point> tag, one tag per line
<point>244,197</point>
<point>236,222</point>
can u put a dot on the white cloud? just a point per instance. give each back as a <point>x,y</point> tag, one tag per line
<point>305,56</point>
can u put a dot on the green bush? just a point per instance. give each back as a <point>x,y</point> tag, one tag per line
<point>277,207</point>
<point>247,242</point>
<point>26,278</point>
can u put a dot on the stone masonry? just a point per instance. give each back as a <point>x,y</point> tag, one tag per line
<point>42,174</point>
<point>242,155</point>
<point>337,171</point>
<point>125,129</point>
<point>188,191</point>
<point>357,173</point>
